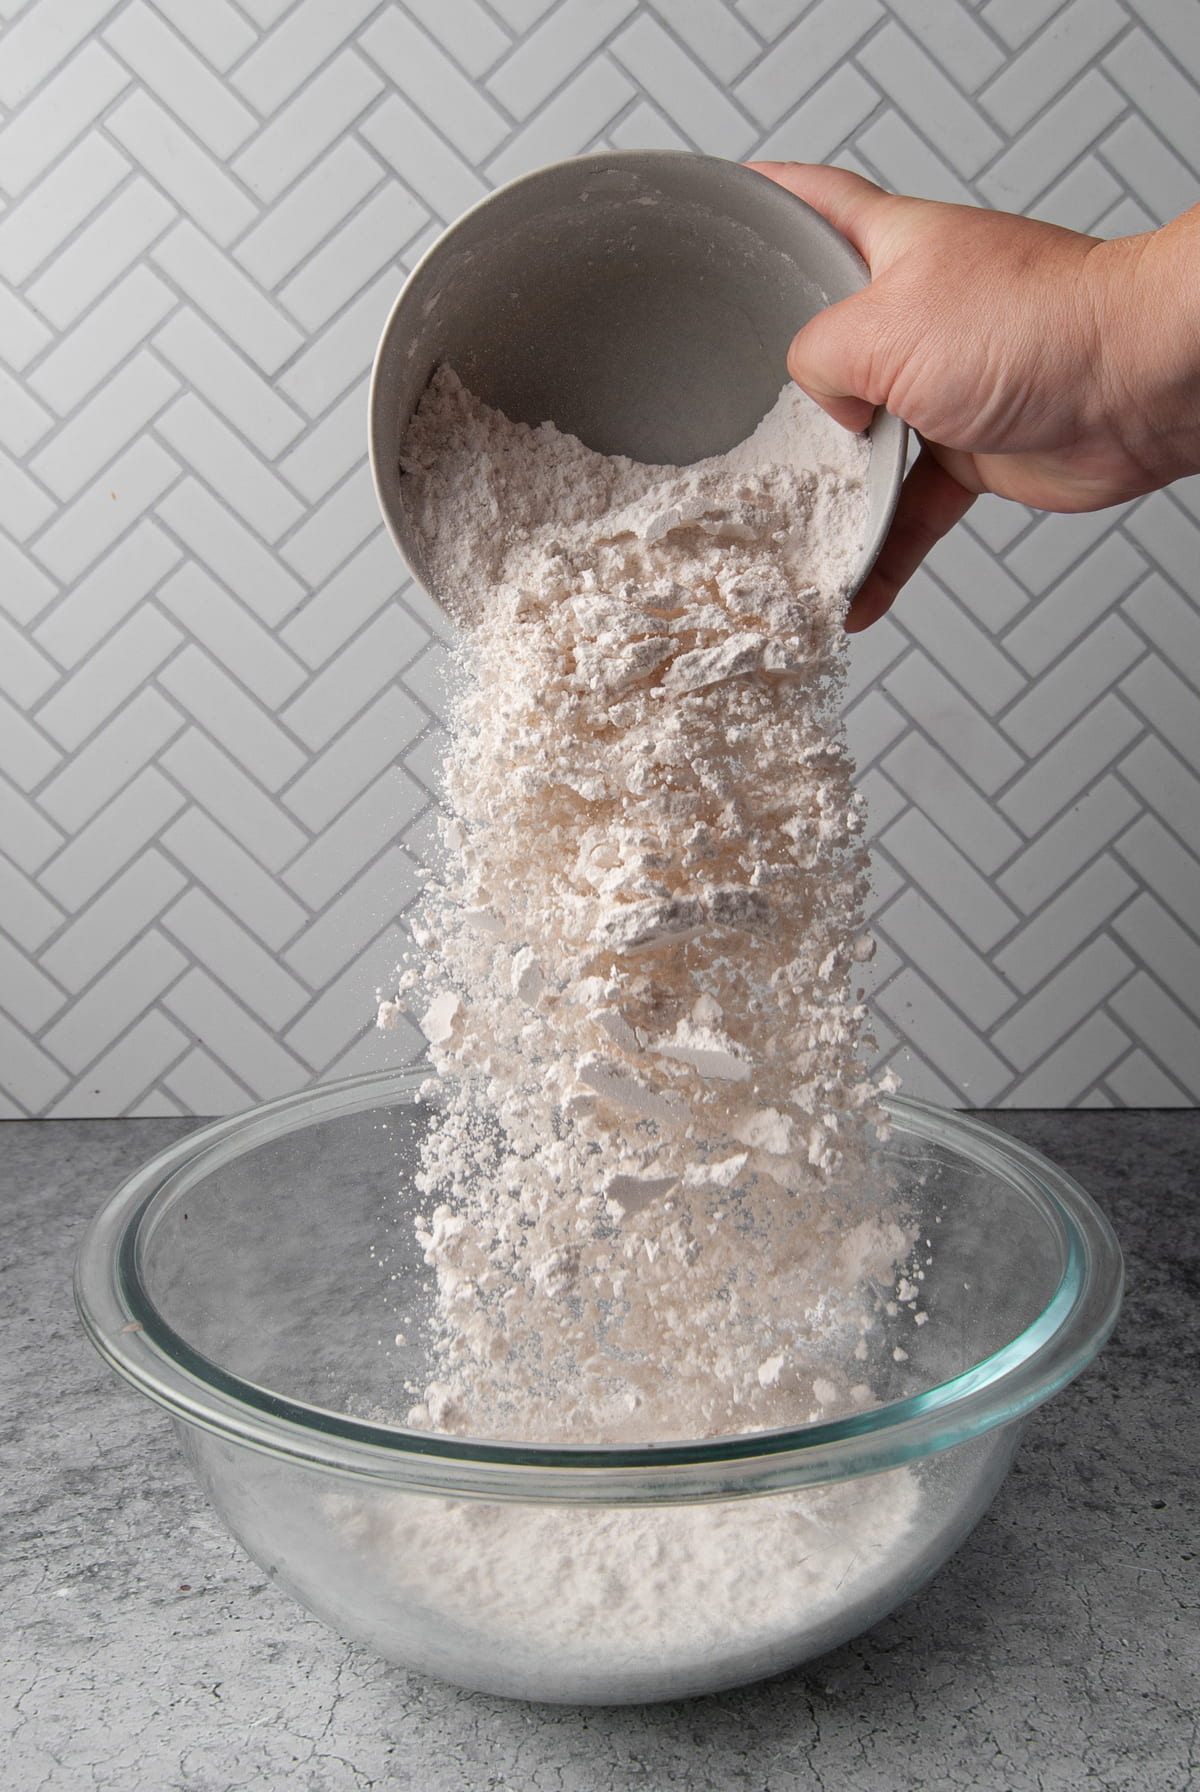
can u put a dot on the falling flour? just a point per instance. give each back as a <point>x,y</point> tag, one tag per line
<point>649,1208</point>
<point>651,1211</point>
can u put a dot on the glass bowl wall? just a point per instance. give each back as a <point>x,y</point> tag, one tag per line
<point>263,1283</point>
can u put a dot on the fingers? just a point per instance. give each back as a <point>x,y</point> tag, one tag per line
<point>849,202</point>
<point>830,358</point>
<point>841,359</point>
<point>855,206</point>
<point>931,502</point>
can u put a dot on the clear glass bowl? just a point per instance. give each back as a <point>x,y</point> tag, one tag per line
<point>252,1279</point>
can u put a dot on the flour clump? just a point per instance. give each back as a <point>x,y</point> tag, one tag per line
<point>651,1206</point>
<point>636,964</point>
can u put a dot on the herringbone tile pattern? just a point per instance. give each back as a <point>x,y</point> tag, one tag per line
<point>219,700</point>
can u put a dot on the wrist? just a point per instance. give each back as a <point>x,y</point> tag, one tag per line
<point>1149,344</point>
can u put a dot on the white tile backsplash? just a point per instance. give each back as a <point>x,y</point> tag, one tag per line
<point>220,697</point>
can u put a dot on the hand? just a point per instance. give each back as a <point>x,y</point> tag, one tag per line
<point>1053,368</point>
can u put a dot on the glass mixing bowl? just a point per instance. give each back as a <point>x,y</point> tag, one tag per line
<point>260,1279</point>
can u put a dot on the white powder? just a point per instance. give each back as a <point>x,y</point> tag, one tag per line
<point>605,1602</point>
<point>650,1212</point>
<point>651,1207</point>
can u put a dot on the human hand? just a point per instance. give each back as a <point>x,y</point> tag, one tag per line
<point>1053,368</point>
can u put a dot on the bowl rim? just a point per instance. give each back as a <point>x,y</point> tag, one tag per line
<point>888,432</point>
<point>125,1327</point>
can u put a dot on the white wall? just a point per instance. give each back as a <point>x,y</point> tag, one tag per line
<point>219,698</point>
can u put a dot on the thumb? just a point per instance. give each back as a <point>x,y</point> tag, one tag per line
<point>829,361</point>
<point>828,357</point>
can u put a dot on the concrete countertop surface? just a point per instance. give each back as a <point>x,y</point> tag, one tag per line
<point>1058,1651</point>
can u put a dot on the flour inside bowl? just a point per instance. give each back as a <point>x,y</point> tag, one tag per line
<point>599,1603</point>
<point>651,1209</point>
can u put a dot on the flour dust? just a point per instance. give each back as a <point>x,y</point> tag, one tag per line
<point>651,1207</point>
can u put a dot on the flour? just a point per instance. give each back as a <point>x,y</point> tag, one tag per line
<point>595,1595</point>
<point>651,1208</point>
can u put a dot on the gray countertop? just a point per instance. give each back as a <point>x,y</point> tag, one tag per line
<point>1059,1649</point>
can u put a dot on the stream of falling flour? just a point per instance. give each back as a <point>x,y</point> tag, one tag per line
<point>650,1205</point>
